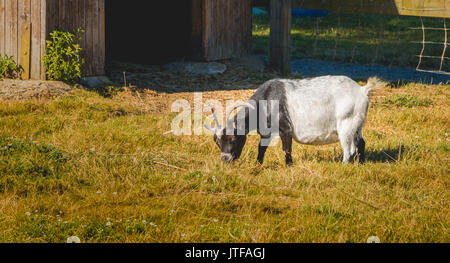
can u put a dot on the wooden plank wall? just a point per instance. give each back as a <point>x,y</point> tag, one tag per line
<point>89,15</point>
<point>14,14</point>
<point>227,28</point>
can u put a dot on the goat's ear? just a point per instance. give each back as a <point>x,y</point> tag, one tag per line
<point>236,121</point>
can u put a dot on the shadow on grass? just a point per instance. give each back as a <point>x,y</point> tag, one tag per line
<point>106,90</point>
<point>236,77</point>
<point>154,77</point>
<point>390,155</point>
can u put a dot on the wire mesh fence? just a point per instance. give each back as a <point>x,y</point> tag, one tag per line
<point>393,40</point>
<point>424,43</point>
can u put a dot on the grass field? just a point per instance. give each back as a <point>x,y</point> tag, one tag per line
<point>101,169</point>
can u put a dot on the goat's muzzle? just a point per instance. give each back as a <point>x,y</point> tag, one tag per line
<point>226,157</point>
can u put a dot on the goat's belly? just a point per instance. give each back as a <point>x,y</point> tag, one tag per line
<point>319,129</point>
<point>316,139</point>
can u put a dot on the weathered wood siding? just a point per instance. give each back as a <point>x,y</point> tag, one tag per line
<point>227,28</point>
<point>88,15</point>
<point>15,16</point>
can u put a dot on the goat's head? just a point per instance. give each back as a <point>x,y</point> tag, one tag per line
<point>229,139</point>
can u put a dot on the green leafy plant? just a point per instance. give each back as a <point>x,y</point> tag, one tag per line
<point>63,60</point>
<point>9,68</point>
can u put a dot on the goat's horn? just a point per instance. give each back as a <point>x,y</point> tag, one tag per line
<point>217,126</point>
<point>238,104</point>
<point>210,128</point>
<point>216,120</point>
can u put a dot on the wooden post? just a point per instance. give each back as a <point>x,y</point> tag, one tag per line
<point>280,35</point>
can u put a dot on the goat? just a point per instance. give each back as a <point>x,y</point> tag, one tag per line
<point>315,111</point>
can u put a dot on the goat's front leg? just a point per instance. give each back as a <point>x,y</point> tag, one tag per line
<point>286,139</point>
<point>263,144</point>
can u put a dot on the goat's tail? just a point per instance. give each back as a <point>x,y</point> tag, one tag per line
<point>373,83</point>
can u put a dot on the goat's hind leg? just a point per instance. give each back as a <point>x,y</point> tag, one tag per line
<point>354,148</point>
<point>347,140</point>
<point>360,148</point>
<point>347,149</point>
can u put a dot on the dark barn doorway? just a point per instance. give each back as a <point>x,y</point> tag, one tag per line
<point>148,32</point>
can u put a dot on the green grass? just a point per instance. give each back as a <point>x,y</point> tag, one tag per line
<point>365,39</point>
<point>408,101</point>
<point>101,169</point>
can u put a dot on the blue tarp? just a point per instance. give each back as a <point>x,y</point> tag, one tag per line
<point>296,12</point>
<point>257,12</point>
<point>307,12</point>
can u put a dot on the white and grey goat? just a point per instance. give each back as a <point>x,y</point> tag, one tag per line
<point>315,111</point>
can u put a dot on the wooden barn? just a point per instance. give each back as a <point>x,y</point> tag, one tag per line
<point>150,32</point>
